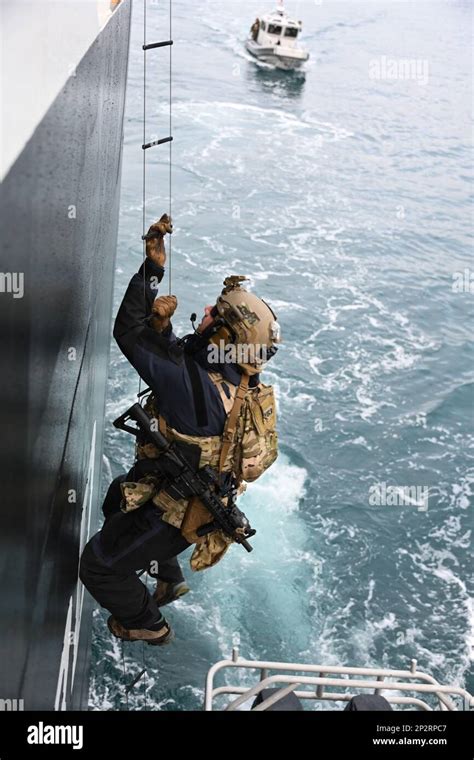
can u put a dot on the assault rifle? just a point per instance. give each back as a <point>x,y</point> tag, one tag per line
<point>203,483</point>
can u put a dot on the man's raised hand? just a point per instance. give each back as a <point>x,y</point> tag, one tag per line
<point>162,310</point>
<point>155,245</point>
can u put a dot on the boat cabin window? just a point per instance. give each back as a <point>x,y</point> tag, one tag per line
<point>262,25</point>
<point>291,31</point>
<point>274,29</point>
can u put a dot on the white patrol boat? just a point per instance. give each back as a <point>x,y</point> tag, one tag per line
<point>273,39</point>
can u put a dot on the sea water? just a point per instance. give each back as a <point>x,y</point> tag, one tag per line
<point>343,192</point>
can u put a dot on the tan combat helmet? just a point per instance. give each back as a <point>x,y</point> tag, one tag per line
<point>249,324</point>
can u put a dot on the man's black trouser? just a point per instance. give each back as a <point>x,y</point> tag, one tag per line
<point>129,542</point>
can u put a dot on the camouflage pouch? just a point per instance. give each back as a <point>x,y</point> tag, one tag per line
<point>135,495</point>
<point>195,517</point>
<point>259,445</point>
<point>173,509</point>
<point>209,550</point>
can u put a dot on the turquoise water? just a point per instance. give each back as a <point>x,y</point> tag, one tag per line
<point>346,199</point>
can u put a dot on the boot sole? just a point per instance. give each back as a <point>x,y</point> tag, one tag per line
<point>160,643</point>
<point>152,642</point>
<point>174,598</point>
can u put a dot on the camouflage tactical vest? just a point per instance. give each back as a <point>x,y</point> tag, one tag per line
<point>248,446</point>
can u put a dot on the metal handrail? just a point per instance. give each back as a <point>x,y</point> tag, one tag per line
<point>358,684</point>
<point>333,696</point>
<point>431,685</point>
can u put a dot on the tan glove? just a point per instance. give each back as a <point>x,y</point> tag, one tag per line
<point>155,246</point>
<point>162,310</point>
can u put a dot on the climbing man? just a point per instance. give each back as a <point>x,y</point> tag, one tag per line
<point>206,399</point>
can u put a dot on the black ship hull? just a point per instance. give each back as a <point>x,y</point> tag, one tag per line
<point>59,218</point>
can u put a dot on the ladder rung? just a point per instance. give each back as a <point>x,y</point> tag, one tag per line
<point>157,44</point>
<point>157,142</point>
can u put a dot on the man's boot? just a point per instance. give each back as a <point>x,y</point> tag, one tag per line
<point>165,593</point>
<point>156,638</point>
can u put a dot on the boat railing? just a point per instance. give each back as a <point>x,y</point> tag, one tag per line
<point>317,683</point>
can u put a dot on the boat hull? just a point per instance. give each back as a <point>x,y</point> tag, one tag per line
<point>285,59</point>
